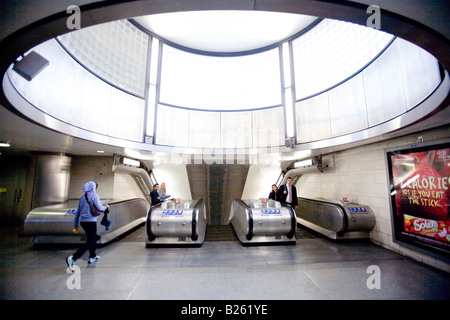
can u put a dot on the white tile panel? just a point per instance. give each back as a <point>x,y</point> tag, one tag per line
<point>236,129</point>
<point>115,51</point>
<point>331,52</point>
<point>383,86</point>
<point>204,129</point>
<point>268,127</point>
<point>313,119</point>
<point>420,71</point>
<point>126,116</point>
<point>91,102</point>
<point>55,85</point>
<point>348,107</point>
<point>172,126</point>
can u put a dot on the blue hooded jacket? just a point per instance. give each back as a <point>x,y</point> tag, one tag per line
<point>84,211</point>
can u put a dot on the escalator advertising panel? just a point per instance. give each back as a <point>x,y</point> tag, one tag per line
<point>420,196</point>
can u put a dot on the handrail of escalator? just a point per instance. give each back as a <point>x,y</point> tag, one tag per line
<point>150,234</point>
<point>291,232</point>
<point>123,201</point>
<point>197,208</point>
<point>241,202</point>
<point>321,201</point>
<point>334,203</point>
<point>249,235</point>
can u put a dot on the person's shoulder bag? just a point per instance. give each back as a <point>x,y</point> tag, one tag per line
<point>94,211</point>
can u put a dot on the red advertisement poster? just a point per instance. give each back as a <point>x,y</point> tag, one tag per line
<point>420,180</point>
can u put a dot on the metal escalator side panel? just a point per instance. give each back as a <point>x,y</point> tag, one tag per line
<point>240,219</point>
<point>273,221</point>
<point>325,215</point>
<point>54,224</point>
<point>336,219</point>
<point>361,219</point>
<point>260,224</point>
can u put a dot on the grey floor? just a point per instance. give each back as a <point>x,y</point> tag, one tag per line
<point>314,268</point>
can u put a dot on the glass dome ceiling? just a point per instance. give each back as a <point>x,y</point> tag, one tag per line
<point>318,81</point>
<point>225,31</point>
<point>207,55</point>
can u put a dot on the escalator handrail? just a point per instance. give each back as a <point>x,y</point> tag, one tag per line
<point>195,218</point>
<point>291,232</point>
<point>128,200</point>
<point>337,204</point>
<point>150,234</point>
<point>247,207</point>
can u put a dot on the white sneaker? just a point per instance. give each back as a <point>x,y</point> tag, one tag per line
<point>70,262</point>
<point>95,259</point>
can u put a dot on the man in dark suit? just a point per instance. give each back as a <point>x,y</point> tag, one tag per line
<point>287,193</point>
<point>155,195</point>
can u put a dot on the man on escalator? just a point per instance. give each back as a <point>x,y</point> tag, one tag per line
<point>155,195</point>
<point>287,194</point>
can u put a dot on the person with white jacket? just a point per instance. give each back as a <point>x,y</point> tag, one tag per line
<point>88,222</point>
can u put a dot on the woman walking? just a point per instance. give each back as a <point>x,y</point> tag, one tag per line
<point>88,222</point>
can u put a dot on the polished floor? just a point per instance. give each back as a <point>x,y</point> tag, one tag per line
<point>314,268</point>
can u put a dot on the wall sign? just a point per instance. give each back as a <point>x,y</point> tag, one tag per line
<point>420,196</point>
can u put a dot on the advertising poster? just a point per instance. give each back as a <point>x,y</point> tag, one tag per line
<point>420,195</point>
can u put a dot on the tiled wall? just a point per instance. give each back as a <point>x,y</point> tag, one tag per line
<point>361,174</point>
<point>125,187</point>
<point>111,186</point>
<point>86,168</point>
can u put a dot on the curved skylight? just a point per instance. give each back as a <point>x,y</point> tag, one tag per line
<point>225,31</point>
<point>220,83</point>
<point>333,51</point>
<point>333,80</point>
<point>114,51</point>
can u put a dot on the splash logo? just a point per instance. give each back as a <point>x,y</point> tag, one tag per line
<point>374,20</point>
<point>74,21</point>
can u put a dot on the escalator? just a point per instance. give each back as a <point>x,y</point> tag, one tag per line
<point>54,224</point>
<point>335,219</point>
<point>260,222</point>
<point>218,185</point>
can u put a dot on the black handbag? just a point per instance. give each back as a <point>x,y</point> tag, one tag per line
<point>94,211</point>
